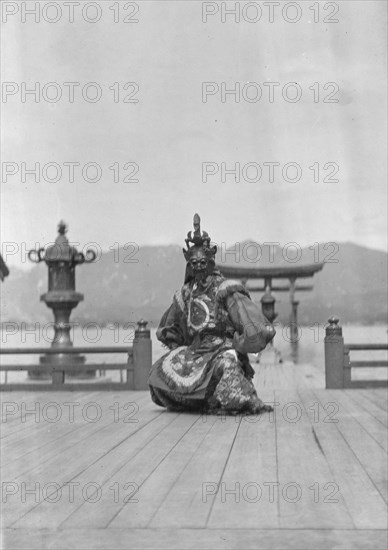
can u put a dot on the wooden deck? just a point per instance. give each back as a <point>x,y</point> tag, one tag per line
<point>311,476</point>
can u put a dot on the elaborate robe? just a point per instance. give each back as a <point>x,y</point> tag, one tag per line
<point>210,328</point>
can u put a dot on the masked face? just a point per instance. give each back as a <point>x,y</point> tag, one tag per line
<point>199,264</point>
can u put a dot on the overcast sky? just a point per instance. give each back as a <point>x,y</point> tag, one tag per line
<point>173,128</point>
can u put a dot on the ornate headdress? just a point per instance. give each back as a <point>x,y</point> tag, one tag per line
<point>199,240</point>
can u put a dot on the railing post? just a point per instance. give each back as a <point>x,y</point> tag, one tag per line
<point>334,355</point>
<point>142,356</point>
<point>347,369</point>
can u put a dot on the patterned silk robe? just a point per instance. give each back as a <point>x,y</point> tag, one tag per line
<point>209,329</point>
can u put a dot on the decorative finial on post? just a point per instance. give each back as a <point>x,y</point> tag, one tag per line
<point>334,355</point>
<point>142,331</point>
<point>333,328</point>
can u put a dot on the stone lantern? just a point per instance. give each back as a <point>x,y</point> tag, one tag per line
<point>61,260</point>
<point>268,305</point>
<point>268,309</point>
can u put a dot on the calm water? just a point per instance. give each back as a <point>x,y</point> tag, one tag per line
<point>308,349</point>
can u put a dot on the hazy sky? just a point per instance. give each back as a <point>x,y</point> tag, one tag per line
<point>172,129</point>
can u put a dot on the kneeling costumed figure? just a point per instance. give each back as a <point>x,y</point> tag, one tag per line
<point>210,328</point>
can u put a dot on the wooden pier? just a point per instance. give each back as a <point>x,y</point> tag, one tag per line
<point>124,473</point>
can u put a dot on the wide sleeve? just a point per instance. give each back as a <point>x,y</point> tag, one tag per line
<point>172,330</point>
<point>253,331</point>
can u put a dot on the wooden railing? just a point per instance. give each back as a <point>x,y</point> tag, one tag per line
<point>136,367</point>
<point>338,366</point>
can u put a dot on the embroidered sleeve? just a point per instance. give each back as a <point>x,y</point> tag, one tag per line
<point>172,330</point>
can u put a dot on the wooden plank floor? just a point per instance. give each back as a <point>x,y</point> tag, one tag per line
<point>112,470</point>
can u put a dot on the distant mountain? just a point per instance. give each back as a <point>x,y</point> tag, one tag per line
<point>118,288</point>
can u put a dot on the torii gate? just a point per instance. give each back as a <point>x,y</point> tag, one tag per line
<point>292,273</point>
